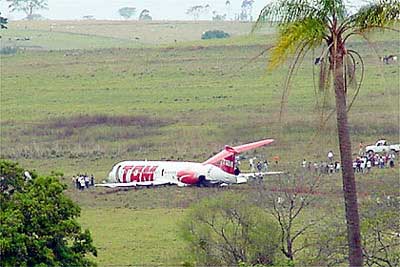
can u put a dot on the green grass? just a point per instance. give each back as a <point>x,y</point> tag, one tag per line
<point>204,93</point>
<point>131,32</point>
<point>126,237</point>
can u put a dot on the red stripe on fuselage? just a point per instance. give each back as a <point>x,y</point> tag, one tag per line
<point>126,169</point>
<point>139,173</point>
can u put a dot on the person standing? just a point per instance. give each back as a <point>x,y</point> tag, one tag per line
<point>82,182</point>
<point>330,155</point>
<point>337,166</point>
<point>251,164</point>
<point>361,148</point>
<point>276,159</point>
<point>265,165</point>
<point>87,181</point>
<point>259,167</point>
<point>77,184</point>
<point>304,163</point>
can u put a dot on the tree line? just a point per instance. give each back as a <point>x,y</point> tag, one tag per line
<point>31,7</point>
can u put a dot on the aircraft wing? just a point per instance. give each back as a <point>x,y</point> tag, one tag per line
<point>244,177</point>
<point>132,184</point>
<point>258,174</point>
<point>236,150</point>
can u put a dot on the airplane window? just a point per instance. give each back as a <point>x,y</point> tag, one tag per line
<point>162,172</point>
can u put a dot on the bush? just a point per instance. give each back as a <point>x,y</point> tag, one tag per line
<point>8,50</point>
<point>39,224</point>
<point>215,34</point>
<point>228,230</point>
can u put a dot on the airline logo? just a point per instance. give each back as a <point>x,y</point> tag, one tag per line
<point>138,173</point>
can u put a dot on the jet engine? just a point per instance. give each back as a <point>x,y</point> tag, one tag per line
<point>190,177</point>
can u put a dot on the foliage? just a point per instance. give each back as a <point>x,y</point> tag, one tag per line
<point>218,17</point>
<point>246,10</point>
<point>145,15</point>
<point>228,230</point>
<point>328,243</point>
<point>35,17</point>
<point>127,12</point>
<point>3,22</point>
<point>39,225</point>
<point>214,34</point>
<point>28,6</point>
<point>381,231</point>
<point>380,228</point>
<point>197,10</point>
<point>289,201</point>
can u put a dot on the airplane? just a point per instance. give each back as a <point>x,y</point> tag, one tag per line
<point>219,169</point>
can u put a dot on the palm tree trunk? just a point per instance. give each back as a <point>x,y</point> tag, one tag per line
<point>349,184</point>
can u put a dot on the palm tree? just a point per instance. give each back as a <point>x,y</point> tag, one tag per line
<point>305,25</point>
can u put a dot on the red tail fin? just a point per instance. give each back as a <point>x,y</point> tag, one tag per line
<point>226,158</point>
<point>228,164</point>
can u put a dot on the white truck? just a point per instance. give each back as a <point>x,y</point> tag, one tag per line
<point>382,146</point>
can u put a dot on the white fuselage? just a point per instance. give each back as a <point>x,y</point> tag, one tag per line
<point>165,172</point>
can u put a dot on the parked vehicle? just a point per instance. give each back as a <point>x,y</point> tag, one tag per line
<point>382,146</point>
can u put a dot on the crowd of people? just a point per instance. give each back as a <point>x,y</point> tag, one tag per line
<point>363,163</point>
<point>259,166</point>
<point>322,167</point>
<point>83,181</point>
<point>366,162</point>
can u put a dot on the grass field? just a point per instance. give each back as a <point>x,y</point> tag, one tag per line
<point>115,97</point>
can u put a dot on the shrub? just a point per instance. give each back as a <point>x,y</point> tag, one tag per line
<point>8,50</point>
<point>215,34</point>
<point>228,230</point>
<point>39,224</point>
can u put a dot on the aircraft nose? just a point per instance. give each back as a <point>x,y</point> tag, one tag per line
<point>111,177</point>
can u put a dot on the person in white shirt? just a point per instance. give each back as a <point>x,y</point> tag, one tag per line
<point>82,182</point>
<point>330,155</point>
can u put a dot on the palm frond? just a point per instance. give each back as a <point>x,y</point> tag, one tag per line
<point>353,53</point>
<point>377,15</point>
<point>350,73</point>
<point>311,31</point>
<point>301,51</point>
<point>284,12</point>
<point>323,76</point>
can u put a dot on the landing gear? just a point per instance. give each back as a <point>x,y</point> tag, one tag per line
<point>202,181</point>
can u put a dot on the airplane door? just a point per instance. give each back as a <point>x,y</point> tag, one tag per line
<point>117,176</point>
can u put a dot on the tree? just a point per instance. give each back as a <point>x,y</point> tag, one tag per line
<point>195,11</point>
<point>3,22</point>
<point>228,7</point>
<point>307,24</point>
<point>127,12</point>
<point>28,6</point>
<point>218,17</point>
<point>228,230</point>
<point>38,222</point>
<point>286,203</point>
<point>381,231</point>
<point>246,11</point>
<point>145,15</point>
<point>88,17</point>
